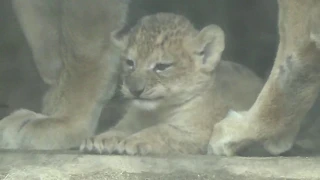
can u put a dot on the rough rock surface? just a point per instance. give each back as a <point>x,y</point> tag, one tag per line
<point>67,165</point>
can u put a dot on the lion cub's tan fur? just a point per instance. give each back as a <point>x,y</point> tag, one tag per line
<point>178,86</point>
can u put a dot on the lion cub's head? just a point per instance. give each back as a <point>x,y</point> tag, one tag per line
<point>166,60</point>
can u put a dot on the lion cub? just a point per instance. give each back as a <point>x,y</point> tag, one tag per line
<point>178,88</point>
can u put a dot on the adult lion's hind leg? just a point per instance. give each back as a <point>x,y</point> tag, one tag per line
<point>293,85</point>
<point>75,33</point>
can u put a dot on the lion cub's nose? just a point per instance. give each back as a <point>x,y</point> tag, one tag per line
<point>136,92</point>
<point>136,85</point>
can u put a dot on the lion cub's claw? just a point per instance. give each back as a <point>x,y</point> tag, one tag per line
<point>105,143</point>
<point>90,145</point>
<point>134,146</point>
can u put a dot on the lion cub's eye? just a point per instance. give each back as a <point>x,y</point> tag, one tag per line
<point>161,67</point>
<point>129,62</point>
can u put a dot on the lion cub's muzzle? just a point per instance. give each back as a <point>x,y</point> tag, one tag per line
<point>135,85</point>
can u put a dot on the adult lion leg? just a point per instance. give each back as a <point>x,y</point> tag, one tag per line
<point>290,91</point>
<point>70,41</point>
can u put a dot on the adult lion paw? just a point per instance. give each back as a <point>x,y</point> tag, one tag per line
<point>11,134</point>
<point>104,143</point>
<point>230,135</point>
<point>24,129</point>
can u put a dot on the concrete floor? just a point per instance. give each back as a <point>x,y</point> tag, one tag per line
<point>70,165</point>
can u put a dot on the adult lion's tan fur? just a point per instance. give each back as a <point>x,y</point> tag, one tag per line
<point>178,87</point>
<point>290,91</point>
<point>70,42</point>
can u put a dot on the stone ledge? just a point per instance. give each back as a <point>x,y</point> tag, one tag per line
<point>73,165</point>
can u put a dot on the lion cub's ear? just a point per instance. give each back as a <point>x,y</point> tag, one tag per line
<point>120,38</point>
<point>210,45</point>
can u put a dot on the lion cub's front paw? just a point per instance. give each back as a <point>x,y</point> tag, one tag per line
<point>142,143</point>
<point>229,135</point>
<point>134,146</point>
<point>104,143</point>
